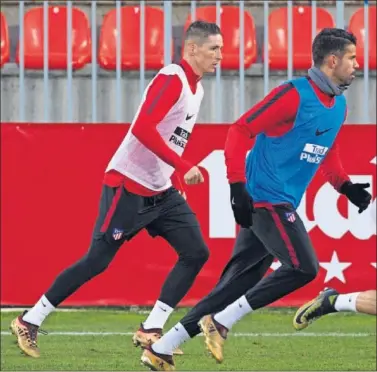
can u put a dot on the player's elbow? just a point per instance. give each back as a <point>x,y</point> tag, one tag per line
<point>140,135</point>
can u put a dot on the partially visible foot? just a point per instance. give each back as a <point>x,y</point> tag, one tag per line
<point>215,335</point>
<point>156,361</point>
<point>147,337</point>
<point>323,304</point>
<point>26,334</point>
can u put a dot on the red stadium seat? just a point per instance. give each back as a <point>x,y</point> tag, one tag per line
<point>130,39</point>
<point>57,38</point>
<point>356,26</point>
<point>301,35</point>
<point>4,58</point>
<point>230,27</point>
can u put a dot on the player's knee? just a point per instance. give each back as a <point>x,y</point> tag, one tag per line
<point>202,255</point>
<point>197,256</point>
<point>94,266</point>
<point>97,259</point>
<point>310,271</point>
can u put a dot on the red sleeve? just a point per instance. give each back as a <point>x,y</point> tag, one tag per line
<point>176,182</point>
<point>332,167</point>
<point>161,97</point>
<point>274,115</point>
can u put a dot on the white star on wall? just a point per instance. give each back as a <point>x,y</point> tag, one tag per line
<point>335,268</point>
<point>374,264</point>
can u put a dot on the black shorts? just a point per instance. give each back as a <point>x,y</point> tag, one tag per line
<point>123,214</point>
<point>283,234</point>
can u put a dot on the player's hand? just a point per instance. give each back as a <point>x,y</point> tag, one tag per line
<point>242,204</point>
<point>193,176</point>
<point>357,195</point>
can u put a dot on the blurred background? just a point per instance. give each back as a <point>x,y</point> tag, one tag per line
<point>97,56</point>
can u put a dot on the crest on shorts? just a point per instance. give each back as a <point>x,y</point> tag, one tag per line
<point>117,234</point>
<point>290,216</point>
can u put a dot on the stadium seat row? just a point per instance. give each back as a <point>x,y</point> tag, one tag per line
<point>154,37</point>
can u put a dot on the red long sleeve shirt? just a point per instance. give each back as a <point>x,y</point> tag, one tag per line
<point>162,95</point>
<point>275,116</point>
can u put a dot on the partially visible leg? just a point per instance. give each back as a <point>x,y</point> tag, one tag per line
<point>104,246</point>
<point>249,262</point>
<point>178,225</point>
<point>366,302</point>
<point>288,241</point>
<point>116,213</point>
<point>330,301</point>
<point>192,253</point>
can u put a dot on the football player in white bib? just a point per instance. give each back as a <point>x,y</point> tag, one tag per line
<point>142,190</point>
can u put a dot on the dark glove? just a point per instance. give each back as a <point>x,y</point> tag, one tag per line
<point>356,194</point>
<point>242,204</point>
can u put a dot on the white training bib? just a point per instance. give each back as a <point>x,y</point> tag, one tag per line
<point>137,162</point>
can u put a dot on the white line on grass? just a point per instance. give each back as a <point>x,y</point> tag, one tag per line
<point>274,334</point>
<point>132,309</point>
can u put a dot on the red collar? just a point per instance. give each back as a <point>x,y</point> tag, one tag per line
<point>191,76</point>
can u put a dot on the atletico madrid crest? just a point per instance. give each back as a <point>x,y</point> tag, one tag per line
<point>117,234</point>
<point>290,216</point>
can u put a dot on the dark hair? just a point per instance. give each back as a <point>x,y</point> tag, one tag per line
<point>331,41</point>
<point>201,30</point>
